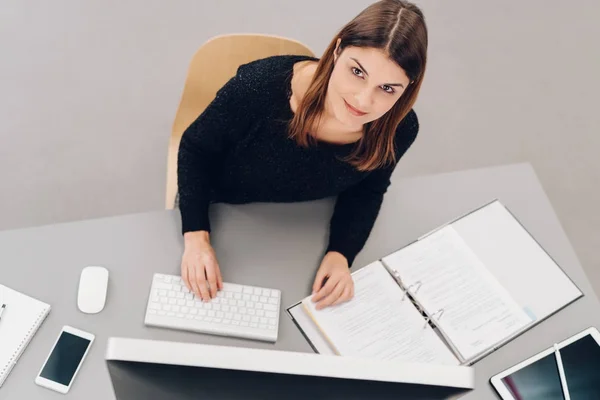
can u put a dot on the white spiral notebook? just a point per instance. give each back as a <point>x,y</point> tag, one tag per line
<point>20,321</point>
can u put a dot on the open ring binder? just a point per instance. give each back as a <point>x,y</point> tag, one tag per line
<point>464,272</point>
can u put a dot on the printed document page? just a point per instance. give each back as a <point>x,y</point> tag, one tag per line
<point>478,312</point>
<point>378,323</point>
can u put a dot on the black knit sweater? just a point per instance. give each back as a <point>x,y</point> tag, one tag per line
<point>237,151</point>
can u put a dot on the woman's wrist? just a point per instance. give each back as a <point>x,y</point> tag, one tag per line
<point>196,237</point>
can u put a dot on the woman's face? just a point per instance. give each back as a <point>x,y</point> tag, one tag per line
<point>364,85</point>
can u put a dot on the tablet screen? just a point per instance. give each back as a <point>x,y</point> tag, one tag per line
<point>540,380</point>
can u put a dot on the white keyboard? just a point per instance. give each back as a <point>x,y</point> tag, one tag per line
<point>239,311</point>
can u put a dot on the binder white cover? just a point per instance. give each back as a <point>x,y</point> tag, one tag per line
<point>508,251</point>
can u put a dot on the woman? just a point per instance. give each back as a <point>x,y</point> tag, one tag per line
<point>295,128</point>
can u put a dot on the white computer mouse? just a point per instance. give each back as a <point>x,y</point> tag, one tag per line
<point>93,285</point>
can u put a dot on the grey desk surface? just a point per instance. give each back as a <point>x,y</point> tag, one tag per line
<point>270,245</point>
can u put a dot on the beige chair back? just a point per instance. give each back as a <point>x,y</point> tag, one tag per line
<point>212,66</point>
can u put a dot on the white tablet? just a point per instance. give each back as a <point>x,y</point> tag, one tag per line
<point>537,378</point>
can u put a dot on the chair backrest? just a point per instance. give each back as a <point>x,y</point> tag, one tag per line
<point>212,66</point>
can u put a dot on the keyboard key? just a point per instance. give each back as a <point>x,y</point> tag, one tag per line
<point>248,290</point>
<point>160,285</point>
<point>254,298</point>
<point>273,300</point>
<point>234,310</point>
<point>186,310</point>
<point>258,306</point>
<point>266,292</point>
<point>232,287</point>
<point>179,315</point>
<point>251,311</point>
<point>189,316</point>
<point>246,297</point>
<point>162,292</point>
<point>164,300</point>
<point>220,314</point>
<point>190,303</point>
<point>151,311</point>
<point>271,327</point>
<point>216,307</point>
<point>229,315</point>
<point>244,323</point>
<point>172,301</point>
<point>237,317</point>
<point>166,278</point>
<point>180,295</point>
<point>241,303</point>
<point>264,320</point>
<point>217,320</point>
<point>270,314</point>
<point>177,288</point>
<point>175,309</point>
<point>257,291</point>
<point>225,308</point>
<point>253,325</point>
<point>154,298</point>
<point>262,326</point>
<point>202,312</point>
<point>181,302</point>
<point>273,322</point>
<point>227,321</point>
<point>237,296</point>
<point>166,307</point>
<point>270,307</point>
<point>170,314</point>
<point>228,295</point>
<point>263,299</point>
<point>194,311</point>
<point>232,302</point>
<point>189,296</point>
<point>161,312</point>
<point>171,294</point>
<point>237,323</point>
<point>155,306</point>
<point>254,319</point>
<point>243,310</point>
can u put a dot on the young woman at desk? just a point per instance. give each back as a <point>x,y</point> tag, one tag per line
<point>295,128</point>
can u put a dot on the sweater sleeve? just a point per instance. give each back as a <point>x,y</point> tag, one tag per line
<point>205,143</point>
<point>356,208</point>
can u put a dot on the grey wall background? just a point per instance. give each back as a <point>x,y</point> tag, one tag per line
<point>88,92</point>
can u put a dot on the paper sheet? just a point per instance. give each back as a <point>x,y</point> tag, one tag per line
<point>477,311</point>
<point>377,323</point>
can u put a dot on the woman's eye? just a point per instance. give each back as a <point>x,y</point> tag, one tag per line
<point>356,71</point>
<point>388,89</point>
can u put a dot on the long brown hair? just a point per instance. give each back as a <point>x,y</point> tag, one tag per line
<point>396,27</point>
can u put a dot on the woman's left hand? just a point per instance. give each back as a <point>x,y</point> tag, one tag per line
<point>339,287</point>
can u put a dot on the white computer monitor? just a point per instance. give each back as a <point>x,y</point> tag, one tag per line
<point>153,370</point>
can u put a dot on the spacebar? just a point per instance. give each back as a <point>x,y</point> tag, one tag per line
<point>205,327</point>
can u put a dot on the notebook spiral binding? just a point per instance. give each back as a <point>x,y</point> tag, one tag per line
<point>12,360</point>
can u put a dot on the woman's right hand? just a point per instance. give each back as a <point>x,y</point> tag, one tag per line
<point>199,267</point>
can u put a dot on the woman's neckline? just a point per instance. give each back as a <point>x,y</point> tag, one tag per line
<point>290,93</point>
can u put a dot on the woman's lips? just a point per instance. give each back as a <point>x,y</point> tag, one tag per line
<point>354,111</point>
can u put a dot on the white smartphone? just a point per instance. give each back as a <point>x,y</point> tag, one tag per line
<point>62,364</point>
